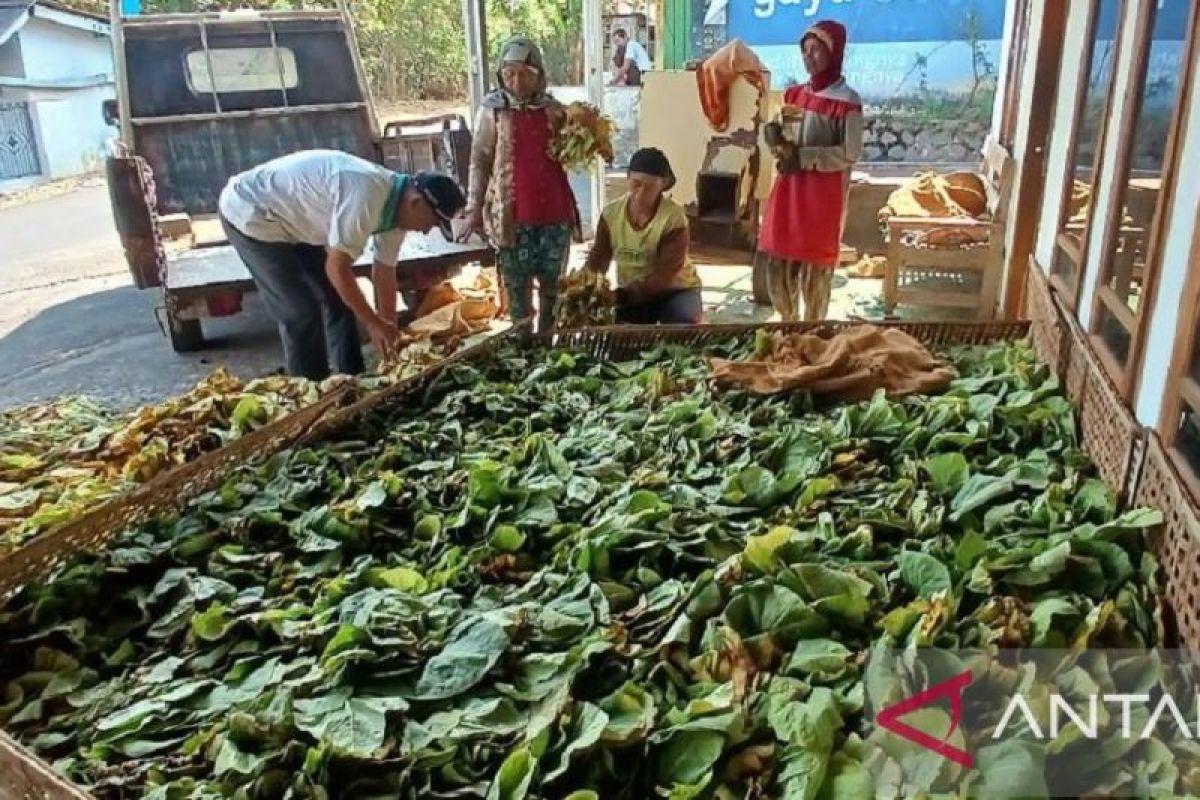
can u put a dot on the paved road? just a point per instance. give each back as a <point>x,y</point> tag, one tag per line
<point>71,320</point>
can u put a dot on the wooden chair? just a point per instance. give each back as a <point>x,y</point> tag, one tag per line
<point>923,272</point>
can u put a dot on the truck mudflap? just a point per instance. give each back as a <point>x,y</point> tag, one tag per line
<point>131,190</point>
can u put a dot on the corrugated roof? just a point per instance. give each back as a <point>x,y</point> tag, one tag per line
<point>57,6</point>
<point>13,14</point>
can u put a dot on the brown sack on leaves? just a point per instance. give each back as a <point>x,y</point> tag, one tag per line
<point>437,297</point>
<point>850,366</point>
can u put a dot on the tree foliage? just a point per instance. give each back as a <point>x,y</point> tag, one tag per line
<point>416,49</point>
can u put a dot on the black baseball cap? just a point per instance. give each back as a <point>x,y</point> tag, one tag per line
<point>444,196</point>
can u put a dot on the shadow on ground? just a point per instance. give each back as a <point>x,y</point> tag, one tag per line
<point>109,345</point>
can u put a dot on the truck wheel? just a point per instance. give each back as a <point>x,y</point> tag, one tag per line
<point>186,334</point>
<point>134,220</point>
<point>758,280</point>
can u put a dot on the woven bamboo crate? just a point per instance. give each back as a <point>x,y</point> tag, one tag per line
<point>24,777</point>
<point>1048,331</point>
<point>1177,545</point>
<point>27,777</point>
<point>624,341</point>
<point>1109,431</point>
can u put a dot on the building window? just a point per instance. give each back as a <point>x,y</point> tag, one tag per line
<point>241,69</point>
<point>1066,271</point>
<point>1180,426</point>
<point>1017,49</point>
<point>1145,168</point>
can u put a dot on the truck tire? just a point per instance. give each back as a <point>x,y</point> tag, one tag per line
<point>186,334</point>
<point>758,279</point>
<point>134,220</point>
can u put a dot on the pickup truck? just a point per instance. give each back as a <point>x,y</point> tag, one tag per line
<point>203,96</point>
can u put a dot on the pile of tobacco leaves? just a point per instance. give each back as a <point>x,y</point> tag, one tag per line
<point>559,577</point>
<point>61,459</point>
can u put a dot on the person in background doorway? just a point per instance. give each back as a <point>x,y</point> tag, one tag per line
<point>630,59</point>
<point>299,223</point>
<point>816,142</point>
<point>647,233</point>
<point>519,195</point>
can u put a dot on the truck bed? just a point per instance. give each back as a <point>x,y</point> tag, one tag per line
<point>423,259</point>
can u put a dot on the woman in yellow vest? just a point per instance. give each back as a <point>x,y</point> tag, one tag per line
<point>647,234</point>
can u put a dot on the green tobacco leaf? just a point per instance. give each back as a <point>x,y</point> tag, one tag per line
<point>374,496</point>
<point>801,774</point>
<point>923,573</point>
<point>816,489</point>
<point>899,621</point>
<point>405,579</point>
<point>231,759</point>
<point>846,779</point>
<point>970,549</point>
<point>800,453</point>
<point>947,472</point>
<point>922,770</point>
<point>123,655</point>
<point>688,756</point>
<point>248,411</point>
<point>514,777</point>
<point>507,539</point>
<point>978,491</point>
<point>463,662</point>
<point>817,656</point>
<point>760,550</point>
<point>212,624</point>
<point>757,487</point>
<point>352,725</point>
<point>807,730</point>
<point>585,731</point>
<point>1044,616</point>
<point>1012,769</point>
<point>19,461</point>
<point>630,712</point>
<point>348,637</point>
<point>774,610</point>
<point>1094,500</point>
<point>1043,567</point>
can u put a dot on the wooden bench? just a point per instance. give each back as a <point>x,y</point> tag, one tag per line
<point>952,275</point>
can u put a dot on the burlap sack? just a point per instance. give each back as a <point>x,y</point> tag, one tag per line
<point>851,365</point>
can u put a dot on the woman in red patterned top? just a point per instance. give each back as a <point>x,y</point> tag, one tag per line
<point>519,195</point>
<point>816,140</point>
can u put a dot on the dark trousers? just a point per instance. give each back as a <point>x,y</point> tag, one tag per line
<point>314,323</point>
<point>679,307</point>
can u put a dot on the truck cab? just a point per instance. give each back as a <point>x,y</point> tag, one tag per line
<point>204,96</point>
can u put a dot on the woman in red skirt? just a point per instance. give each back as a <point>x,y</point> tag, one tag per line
<point>816,139</point>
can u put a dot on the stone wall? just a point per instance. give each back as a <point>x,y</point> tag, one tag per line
<point>891,138</point>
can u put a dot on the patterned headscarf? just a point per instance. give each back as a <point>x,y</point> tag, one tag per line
<point>521,50</point>
<point>833,36</point>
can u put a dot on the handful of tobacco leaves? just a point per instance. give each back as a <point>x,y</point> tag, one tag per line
<point>565,577</point>
<point>584,134</point>
<point>585,299</point>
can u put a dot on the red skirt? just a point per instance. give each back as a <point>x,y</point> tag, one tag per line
<point>803,221</point>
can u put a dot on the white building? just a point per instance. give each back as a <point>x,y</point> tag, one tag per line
<point>55,71</point>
